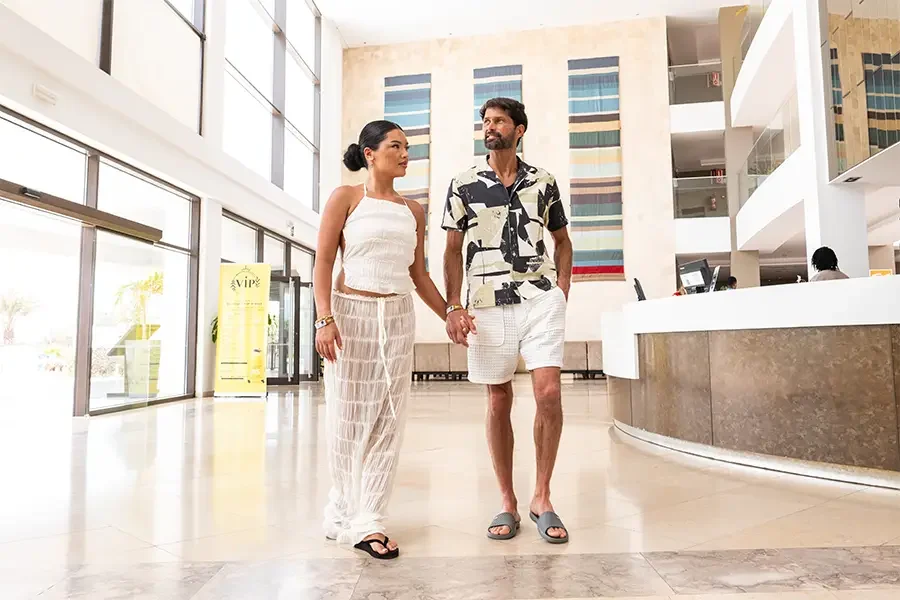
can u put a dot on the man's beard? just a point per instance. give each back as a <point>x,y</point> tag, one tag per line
<point>499,142</point>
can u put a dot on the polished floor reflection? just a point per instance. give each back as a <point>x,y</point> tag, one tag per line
<point>222,499</point>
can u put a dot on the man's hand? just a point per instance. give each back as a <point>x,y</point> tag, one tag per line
<point>459,325</point>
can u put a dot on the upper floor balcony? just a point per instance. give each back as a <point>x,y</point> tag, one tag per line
<point>695,98</point>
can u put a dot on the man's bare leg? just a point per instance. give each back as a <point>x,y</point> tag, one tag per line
<point>548,422</point>
<point>501,442</point>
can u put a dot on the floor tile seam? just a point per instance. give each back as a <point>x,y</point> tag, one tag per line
<point>220,573</point>
<point>47,537</point>
<point>668,537</point>
<point>658,574</point>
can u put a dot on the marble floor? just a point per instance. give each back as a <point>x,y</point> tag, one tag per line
<point>221,499</point>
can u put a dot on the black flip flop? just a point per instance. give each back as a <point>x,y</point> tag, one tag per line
<point>366,546</point>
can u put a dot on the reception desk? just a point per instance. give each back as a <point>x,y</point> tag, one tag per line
<point>799,378</point>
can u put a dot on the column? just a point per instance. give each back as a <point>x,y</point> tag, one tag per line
<point>835,214</point>
<point>208,302</point>
<point>738,140</point>
<point>214,72</point>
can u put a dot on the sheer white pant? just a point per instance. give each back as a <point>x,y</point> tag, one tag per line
<point>366,396</point>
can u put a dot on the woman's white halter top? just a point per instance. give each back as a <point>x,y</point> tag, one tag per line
<point>379,247</point>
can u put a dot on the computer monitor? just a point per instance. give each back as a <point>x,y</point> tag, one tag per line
<point>695,276</point>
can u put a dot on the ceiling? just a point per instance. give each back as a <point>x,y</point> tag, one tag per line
<point>369,22</point>
<point>689,149</point>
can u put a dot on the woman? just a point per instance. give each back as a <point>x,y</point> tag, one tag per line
<point>365,331</point>
<point>826,263</point>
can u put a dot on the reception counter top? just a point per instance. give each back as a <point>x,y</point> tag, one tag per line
<point>795,377</point>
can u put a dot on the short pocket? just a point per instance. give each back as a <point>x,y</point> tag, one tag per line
<point>489,322</point>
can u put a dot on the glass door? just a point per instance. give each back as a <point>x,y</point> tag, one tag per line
<point>282,356</point>
<point>39,262</point>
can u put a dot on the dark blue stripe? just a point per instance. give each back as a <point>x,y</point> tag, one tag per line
<point>594,63</point>
<point>407,80</point>
<point>498,71</point>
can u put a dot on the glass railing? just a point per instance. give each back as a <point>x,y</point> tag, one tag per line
<point>775,144</point>
<point>697,197</point>
<point>689,84</point>
<point>753,16</point>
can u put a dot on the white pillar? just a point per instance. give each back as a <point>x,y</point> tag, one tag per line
<point>208,303</point>
<point>835,213</point>
<point>214,72</point>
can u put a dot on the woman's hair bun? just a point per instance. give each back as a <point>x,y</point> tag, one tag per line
<point>354,159</point>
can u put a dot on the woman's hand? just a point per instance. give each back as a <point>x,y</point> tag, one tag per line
<point>459,325</point>
<point>328,342</point>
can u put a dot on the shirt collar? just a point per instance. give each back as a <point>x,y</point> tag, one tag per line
<point>521,173</point>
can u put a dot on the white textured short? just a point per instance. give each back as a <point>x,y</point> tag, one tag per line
<point>536,329</point>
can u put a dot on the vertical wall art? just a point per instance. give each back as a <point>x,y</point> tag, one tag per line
<point>595,159</point>
<point>407,102</point>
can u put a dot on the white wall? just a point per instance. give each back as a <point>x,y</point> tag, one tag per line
<point>697,117</point>
<point>706,235</point>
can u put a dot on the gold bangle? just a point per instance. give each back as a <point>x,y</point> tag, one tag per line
<point>454,308</point>
<point>324,322</point>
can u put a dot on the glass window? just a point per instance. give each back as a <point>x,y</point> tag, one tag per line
<point>159,56</point>
<point>298,169</point>
<point>301,264</point>
<point>127,195</point>
<point>300,99</point>
<point>139,340</point>
<point>39,256</point>
<point>238,242</point>
<point>75,23</point>
<point>301,30</point>
<point>247,128</point>
<point>273,253</point>
<point>41,162</point>
<point>250,43</point>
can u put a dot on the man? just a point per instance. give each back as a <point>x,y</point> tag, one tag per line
<point>517,297</point>
<point>732,283</point>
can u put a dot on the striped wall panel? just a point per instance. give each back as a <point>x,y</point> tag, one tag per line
<point>494,82</point>
<point>595,159</point>
<point>407,102</point>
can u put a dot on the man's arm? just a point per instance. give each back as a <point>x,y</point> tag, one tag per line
<point>557,224</point>
<point>562,256</point>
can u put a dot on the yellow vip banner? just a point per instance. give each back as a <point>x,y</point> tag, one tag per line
<point>243,320</point>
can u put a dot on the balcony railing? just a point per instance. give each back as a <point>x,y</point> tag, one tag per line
<point>756,10</point>
<point>697,197</point>
<point>689,84</point>
<point>775,144</point>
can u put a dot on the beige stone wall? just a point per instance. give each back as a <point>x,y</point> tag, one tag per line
<point>648,215</point>
<point>852,37</point>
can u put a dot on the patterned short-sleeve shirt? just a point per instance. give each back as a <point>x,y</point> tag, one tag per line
<point>506,255</point>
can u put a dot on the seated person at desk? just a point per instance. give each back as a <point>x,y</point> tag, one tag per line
<point>826,263</point>
<point>732,283</point>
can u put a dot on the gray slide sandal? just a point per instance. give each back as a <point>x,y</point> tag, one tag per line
<point>547,521</point>
<point>500,520</point>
